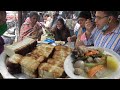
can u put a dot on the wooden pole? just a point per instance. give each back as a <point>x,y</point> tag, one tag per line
<point>19,19</point>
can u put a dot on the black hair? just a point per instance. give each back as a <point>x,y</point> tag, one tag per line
<point>62,21</point>
<point>84,14</point>
<point>46,15</point>
<point>56,13</point>
<point>112,13</point>
<point>33,13</point>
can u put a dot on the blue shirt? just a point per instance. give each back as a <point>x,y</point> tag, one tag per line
<point>110,40</point>
<point>83,30</point>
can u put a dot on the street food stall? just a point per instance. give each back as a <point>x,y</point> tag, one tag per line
<point>50,59</point>
<point>30,59</point>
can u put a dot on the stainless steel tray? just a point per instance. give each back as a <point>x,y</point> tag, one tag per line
<point>6,75</point>
<point>4,71</point>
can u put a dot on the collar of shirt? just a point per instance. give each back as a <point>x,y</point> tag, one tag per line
<point>115,31</point>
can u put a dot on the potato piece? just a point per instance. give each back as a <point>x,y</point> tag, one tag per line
<point>112,63</point>
<point>78,71</point>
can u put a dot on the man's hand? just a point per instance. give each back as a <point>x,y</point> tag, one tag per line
<point>36,27</point>
<point>69,39</point>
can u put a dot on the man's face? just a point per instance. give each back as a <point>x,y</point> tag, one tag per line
<point>101,19</point>
<point>82,22</point>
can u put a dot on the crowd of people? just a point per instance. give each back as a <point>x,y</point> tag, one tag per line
<point>55,23</point>
<point>100,29</point>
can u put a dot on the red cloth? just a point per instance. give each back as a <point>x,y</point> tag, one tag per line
<point>83,37</point>
<point>26,26</point>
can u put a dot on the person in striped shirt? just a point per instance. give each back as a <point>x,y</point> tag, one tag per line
<point>106,34</point>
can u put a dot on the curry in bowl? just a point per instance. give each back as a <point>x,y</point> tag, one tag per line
<point>93,62</point>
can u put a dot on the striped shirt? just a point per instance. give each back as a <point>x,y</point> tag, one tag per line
<point>110,40</point>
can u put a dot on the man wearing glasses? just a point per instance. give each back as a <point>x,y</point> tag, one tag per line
<point>106,34</point>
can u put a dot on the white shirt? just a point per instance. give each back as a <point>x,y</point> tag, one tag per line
<point>48,22</point>
<point>76,28</point>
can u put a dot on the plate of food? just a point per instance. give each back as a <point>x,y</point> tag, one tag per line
<point>92,63</point>
<point>25,60</point>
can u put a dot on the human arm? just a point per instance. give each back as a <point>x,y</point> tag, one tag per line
<point>87,37</point>
<point>72,38</point>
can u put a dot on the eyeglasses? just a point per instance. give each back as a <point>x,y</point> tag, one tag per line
<point>99,18</point>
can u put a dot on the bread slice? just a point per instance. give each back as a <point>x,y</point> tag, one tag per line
<point>56,61</point>
<point>46,70</point>
<point>61,52</point>
<point>23,47</point>
<point>13,65</point>
<point>29,66</point>
<point>43,52</point>
<point>46,49</point>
